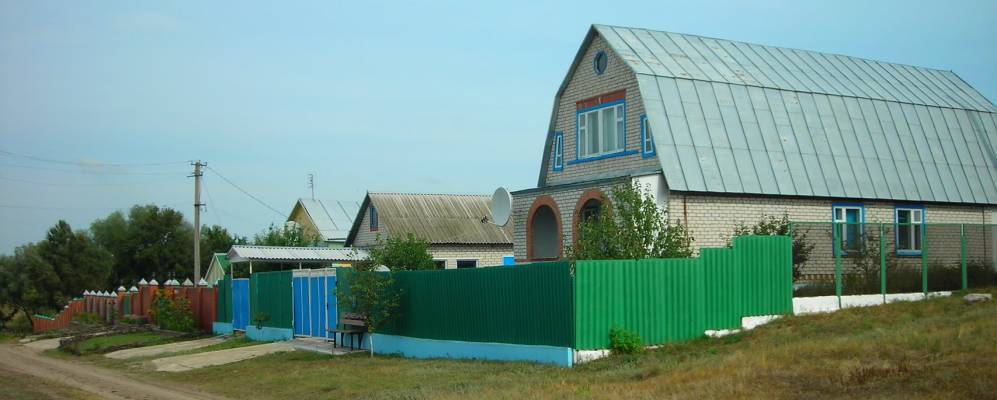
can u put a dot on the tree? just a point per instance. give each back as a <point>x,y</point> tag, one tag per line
<point>151,242</point>
<point>371,294</point>
<point>287,235</point>
<point>410,253</point>
<point>771,225</point>
<point>77,261</point>
<point>633,227</point>
<point>216,239</point>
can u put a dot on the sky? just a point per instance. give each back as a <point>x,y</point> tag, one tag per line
<point>104,104</point>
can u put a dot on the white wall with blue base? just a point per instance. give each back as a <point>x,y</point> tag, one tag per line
<point>432,348</point>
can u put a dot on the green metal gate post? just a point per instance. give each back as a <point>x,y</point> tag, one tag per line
<point>882,263</point>
<point>837,261</point>
<point>962,262</point>
<point>924,260</point>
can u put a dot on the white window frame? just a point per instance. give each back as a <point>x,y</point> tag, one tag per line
<point>844,221</point>
<point>915,222</point>
<point>620,126</point>
<point>558,151</point>
<point>647,142</point>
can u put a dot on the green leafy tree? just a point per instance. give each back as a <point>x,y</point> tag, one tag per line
<point>77,261</point>
<point>286,235</point>
<point>780,226</point>
<point>410,253</point>
<point>371,293</point>
<point>216,239</point>
<point>152,242</point>
<point>631,226</point>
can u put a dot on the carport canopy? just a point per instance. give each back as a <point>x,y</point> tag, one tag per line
<point>299,255</point>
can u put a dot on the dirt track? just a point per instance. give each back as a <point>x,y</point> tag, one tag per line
<point>99,381</point>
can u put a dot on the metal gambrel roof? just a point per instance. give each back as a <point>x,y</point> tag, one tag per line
<point>435,218</point>
<point>734,117</point>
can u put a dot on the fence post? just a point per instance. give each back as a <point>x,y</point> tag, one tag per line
<point>837,261</point>
<point>882,262</point>
<point>962,260</point>
<point>924,260</point>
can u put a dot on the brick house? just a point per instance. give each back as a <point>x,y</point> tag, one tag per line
<point>722,131</point>
<point>459,236</point>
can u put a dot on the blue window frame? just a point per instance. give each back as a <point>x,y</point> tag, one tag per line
<point>373,218</point>
<point>600,132</point>
<point>849,221</point>
<point>646,140</point>
<point>600,62</point>
<point>558,152</point>
<point>908,229</point>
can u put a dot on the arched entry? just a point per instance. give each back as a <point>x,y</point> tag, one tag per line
<point>543,230</point>
<point>589,206</point>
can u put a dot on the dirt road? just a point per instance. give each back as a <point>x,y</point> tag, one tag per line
<point>102,382</point>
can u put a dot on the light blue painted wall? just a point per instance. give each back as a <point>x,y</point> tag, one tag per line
<point>221,328</point>
<point>268,334</point>
<point>431,348</point>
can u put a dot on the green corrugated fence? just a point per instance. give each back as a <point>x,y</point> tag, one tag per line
<point>270,295</point>
<point>224,300</point>
<point>678,299</point>
<point>526,304</point>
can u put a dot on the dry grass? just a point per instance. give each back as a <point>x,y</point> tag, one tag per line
<point>933,349</point>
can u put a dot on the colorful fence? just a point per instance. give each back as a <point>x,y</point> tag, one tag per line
<point>678,299</point>
<point>270,299</point>
<point>528,304</point>
<point>240,304</point>
<point>314,302</point>
<point>41,323</point>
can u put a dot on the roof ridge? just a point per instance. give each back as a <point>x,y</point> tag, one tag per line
<point>778,47</point>
<point>429,194</point>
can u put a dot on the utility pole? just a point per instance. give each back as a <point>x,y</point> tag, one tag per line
<point>311,184</point>
<point>197,219</point>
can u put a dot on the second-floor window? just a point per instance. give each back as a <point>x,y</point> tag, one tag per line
<point>601,130</point>
<point>558,151</point>
<point>373,218</point>
<point>646,142</point>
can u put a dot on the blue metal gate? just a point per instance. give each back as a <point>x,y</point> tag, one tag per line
<point>240,304</point>
<point>314,302</point>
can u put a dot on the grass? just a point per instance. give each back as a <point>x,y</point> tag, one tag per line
<point>938,348</point>
<point>25,387</point>
<point>105,343</point>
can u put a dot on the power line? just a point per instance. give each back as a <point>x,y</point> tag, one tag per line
<point>67,162</point>
<point>85,171</point>
<point>245,192</point>
<point>81,184</point>
<point>214,211</point>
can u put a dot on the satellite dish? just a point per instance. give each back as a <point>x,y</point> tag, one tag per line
<point>501,206</point>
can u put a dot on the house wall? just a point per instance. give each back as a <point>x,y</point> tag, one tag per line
<point>300,217</point>
<point>366,237</point>
<point>488,255</point>
<point>712,218</point>
<point>585,84</point>
<point>566,198</point>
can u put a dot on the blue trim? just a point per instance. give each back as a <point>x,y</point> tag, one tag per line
<point>508,260</point>
<point>558,147</point>
<point>896,232</point>
<point>268,334</point>
<point>622,152</point>
<point>861,208</point>
<point>221,328</point>
<point>595,62</point>
<point>603,157</point>
<point>644,152</point>
<point>432,348</point>
<point>373,218</point>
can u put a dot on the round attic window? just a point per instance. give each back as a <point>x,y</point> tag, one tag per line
<point>600,62</point>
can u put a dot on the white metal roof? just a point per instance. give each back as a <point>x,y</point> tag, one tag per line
<point>245,253</point>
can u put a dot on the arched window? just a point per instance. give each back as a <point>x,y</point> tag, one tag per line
<point>543,230</point>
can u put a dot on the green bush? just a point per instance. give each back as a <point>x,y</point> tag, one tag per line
<point>88,318</point>
<point>624,341</point>
<point>171,312</point>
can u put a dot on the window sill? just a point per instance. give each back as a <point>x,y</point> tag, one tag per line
<point>602,157</point>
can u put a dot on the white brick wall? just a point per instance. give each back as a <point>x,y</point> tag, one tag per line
<point>488,255</point>
<point>566,199</point>
<point>586,84</point>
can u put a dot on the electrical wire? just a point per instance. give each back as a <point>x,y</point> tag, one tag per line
<point>264,204</point>
<point>67,162</point>
<point>81,184</point>
<point>207,206</point>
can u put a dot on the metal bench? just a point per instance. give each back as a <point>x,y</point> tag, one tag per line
<point>352,324</point>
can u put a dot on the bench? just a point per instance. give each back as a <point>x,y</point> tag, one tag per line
<point>352,324</point>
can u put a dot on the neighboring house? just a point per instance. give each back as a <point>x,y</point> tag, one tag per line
<point>328,220</point>
<point>218,268</point>
<point>722,131</point>
<point>455,226</point>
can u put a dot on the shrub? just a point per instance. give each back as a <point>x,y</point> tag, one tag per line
<point>624,341</point>
<point>88,318</point>
<point>171,312</point>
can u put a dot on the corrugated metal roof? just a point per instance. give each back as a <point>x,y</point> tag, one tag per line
<point>735,117</point>
<point>244,253</point>
<point>332,218</point>
<point>436,218</point>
